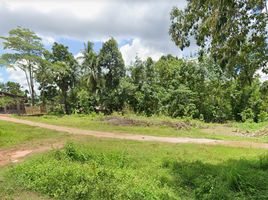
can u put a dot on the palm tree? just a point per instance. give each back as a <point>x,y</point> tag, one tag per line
<point>92,72</point>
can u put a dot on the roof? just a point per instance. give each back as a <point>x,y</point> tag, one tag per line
<point>11,95</point>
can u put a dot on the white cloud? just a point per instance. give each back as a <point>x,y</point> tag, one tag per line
<point>1,78</point>
<point>137,48</point>
<point>263,76</point>
<point>81,9</point>
<point>47,40</point>
<point>17,75</point>
<point>94,20</point>
<point>78,57</point>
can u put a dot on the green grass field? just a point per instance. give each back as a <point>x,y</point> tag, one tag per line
<point>113,169</point>
<point>94,168</point>
<point>13,134</point>
<point>97,122</point>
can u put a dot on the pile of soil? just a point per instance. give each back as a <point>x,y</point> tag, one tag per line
<point>123,121</point>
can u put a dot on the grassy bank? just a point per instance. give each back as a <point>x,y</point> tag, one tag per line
<point>110,169</point>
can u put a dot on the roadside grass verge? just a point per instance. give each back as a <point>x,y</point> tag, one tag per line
<point>111,169</point>
<point>12,134</point>
<point>193,128</point>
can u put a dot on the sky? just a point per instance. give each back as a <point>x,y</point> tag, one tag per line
<point>139,26</point>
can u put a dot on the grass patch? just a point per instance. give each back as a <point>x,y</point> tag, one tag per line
<point>97,123</point>
<point>9,189</point>
<point>110,169</point>
<point>250,126</point>
<point>12,134</point>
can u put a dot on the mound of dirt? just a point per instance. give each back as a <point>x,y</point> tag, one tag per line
<point>123,121</point>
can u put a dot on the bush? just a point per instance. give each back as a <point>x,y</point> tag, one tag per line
<point>247,115</point>
<point>57,109</point>
<point>263,116</point>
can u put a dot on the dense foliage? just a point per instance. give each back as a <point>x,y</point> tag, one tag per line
<point>233,32</point>
<point>170,86</point>
<point>234,35</point>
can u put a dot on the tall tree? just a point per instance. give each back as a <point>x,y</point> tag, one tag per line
<point>112,67</point>
<point>26,54</point>
<point>111,62</point>
<point>92,71</point>
<point>63,70</point>
<point>233,31</point>
<point>45,78</point>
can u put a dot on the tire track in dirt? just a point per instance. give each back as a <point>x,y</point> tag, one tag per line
<point>124,136</point>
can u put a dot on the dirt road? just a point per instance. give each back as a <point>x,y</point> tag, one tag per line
<point>125,136</point>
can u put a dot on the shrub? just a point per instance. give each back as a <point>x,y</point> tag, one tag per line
<point>263,116</point>
<point>247,115</point>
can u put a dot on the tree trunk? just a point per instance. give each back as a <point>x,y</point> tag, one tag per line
<point>28,82</point>
<point>32,85</point>
<point>64,93</point>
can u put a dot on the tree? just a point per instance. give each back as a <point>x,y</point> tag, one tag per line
<point>138,73</point>
<point>233,32</point>
<point>45,78</point>
<point>91,71</point>
<point>111,62</point>
<point>12,87</point>
<point>63,70</point>
<point>26,54</point>
<point>112,67</point>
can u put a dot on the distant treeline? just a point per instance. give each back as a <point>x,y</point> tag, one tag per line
<point>221,84</point>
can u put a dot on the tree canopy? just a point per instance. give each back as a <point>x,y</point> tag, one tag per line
<point>233,32</point>
<point>26,53</point>
<point>221,85</point>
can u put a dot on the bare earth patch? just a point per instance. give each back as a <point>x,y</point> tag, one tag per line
<point>14,155</point>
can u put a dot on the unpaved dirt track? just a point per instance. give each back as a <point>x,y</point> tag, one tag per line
<point>125,136</point>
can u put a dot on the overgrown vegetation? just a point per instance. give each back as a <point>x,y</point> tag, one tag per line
<point>104,169</point>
